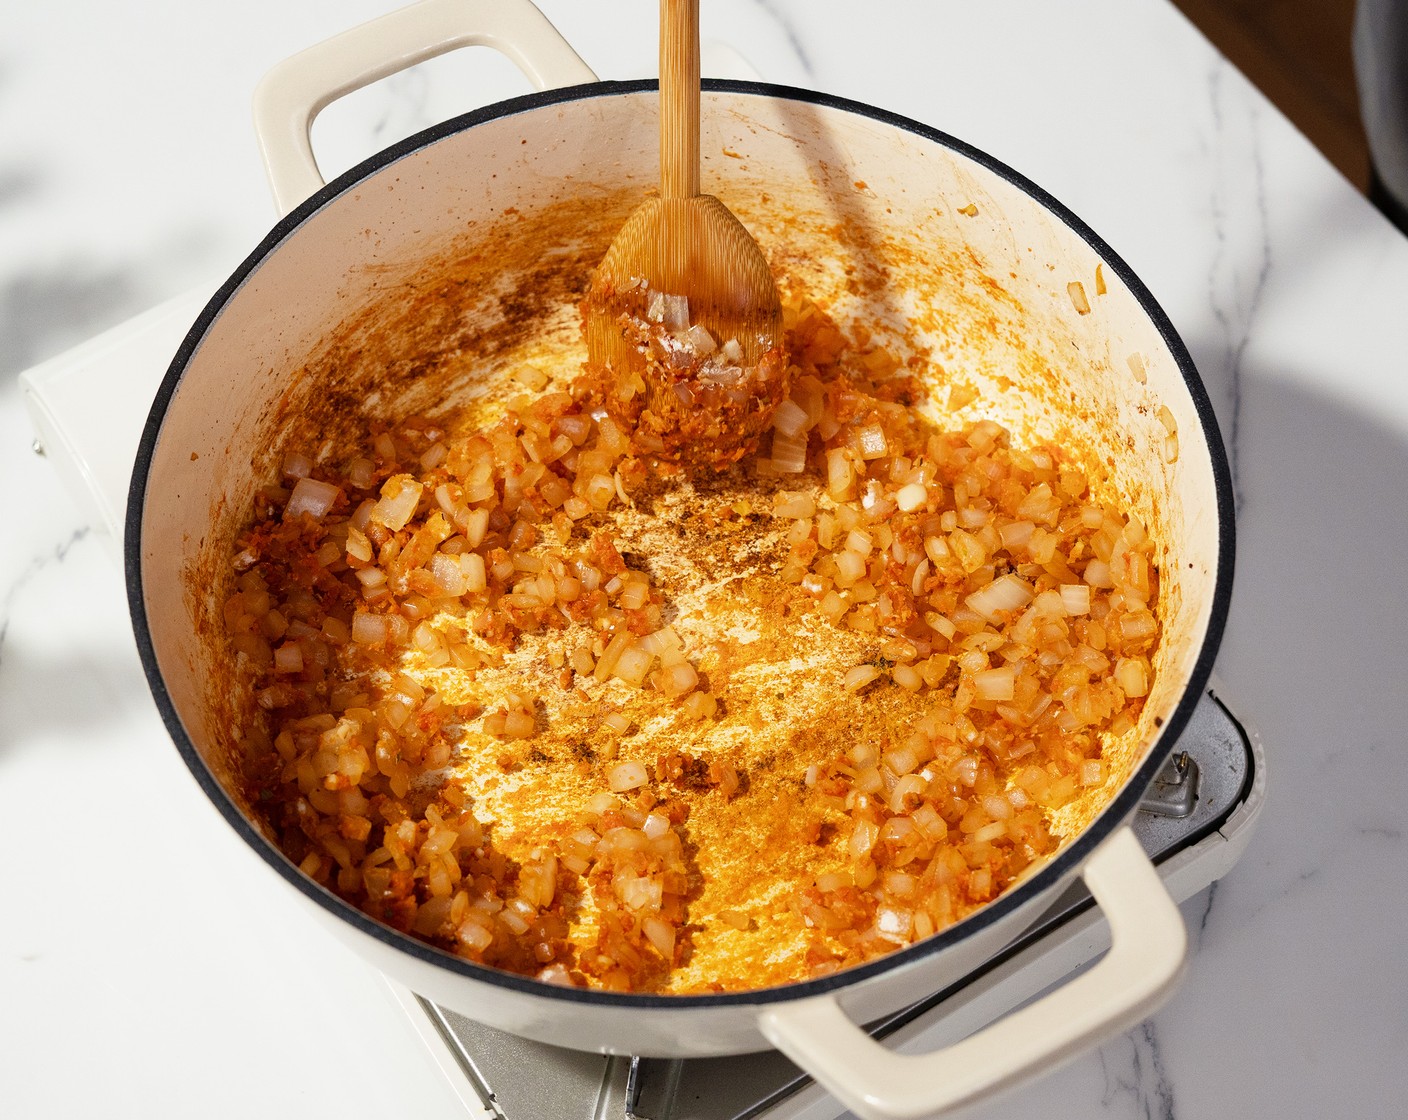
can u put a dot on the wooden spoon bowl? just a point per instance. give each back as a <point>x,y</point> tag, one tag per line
<point>682,319</point>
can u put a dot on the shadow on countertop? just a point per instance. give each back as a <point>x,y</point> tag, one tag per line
<point>1304,932</point>
<point>43,312</point>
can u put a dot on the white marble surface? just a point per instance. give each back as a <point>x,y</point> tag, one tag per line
<point>140,956</point>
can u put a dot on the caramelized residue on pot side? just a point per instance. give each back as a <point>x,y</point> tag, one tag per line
<point>557,705</point>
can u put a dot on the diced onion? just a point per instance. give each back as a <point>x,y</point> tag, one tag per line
<point>850,567</point>
<point>368,629</point>
<point>830,881</point>
<point>474,936</point>
<point>907,756</point>
<point>1075,598</point>
<point>998,808</point>
<point>857,678</point>
<point>840,474</point>
<point>626,776</point>
<point>1016,534</point>
<point>297,465</point>
<point>790,419</point>
<point>898,831</point>
<point>793,505</point>
<point>1006,594</point>
<point>872,442</point>
<point>475,577</point>
<point>311,497</point>
<point>675,312</point>
<point>995,684</point>
<point>358,547</point>
<point>912,497</point>
<point>679,679</point>
<point>863,838</point>
<point>918,580</point>
<point>699,340</point>
<point>639,892</point>
<point>633,665</point>
<point>661,935</point>
<point>448,574</point>
<point>361,473</point>
<point>599,803</point>
<point>789,455</point>
<point>1097,574</point>
<point>868,780</point>
<point>400,495</point>
<point>476,524</point>
<point>700,705</point>
<point>1132,676</point>
<point>894,924</point>
<point>1138,626</point>
<point>1076,290</point>
<point>911,785</point>
<point>926,818</point>
<point>907,677</point>
<point>288,658</point>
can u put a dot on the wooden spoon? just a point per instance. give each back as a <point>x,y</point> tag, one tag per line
<point>685,394</point>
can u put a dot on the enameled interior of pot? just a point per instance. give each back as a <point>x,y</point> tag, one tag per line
<point>421,284</point>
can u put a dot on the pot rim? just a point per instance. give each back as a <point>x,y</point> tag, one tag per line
<point>1066,862</point>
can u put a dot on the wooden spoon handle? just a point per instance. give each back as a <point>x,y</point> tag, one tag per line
<point>679,98</point>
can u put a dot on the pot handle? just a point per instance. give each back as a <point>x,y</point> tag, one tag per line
<point>296,90</point>
<point>1141,969</point>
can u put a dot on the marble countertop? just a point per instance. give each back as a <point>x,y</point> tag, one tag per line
<point>141,962</point>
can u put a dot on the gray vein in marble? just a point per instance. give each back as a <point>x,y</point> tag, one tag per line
<point>1327,861</point>
<point>1209,900</point>
<point>33,568</point>
<point>793,39</point>
<point>1141,1078</point>
<point>1234,314</point>
<point>405,111</point>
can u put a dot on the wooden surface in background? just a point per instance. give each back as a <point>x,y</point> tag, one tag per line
<point>1297,52</point>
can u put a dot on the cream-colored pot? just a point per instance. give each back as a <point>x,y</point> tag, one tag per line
<point>418,277</point>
